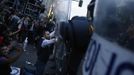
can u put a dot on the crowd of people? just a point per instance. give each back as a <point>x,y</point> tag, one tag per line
<point>14,30</point>
<point>40,32</point>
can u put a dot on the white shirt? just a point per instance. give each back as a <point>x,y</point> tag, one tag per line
<point>52,34</point>
<point>47,42</point>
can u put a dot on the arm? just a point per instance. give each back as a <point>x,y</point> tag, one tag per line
<point>47,42</point>
<point>52,34</point>
<point>10,59</point>
<point>19,28</point>
<point>13,33</point>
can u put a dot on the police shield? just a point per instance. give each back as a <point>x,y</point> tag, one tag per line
<point>111,49</point>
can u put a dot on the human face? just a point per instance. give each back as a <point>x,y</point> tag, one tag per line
<point>47,34</point>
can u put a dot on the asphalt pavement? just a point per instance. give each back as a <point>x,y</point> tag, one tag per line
<point>28,59</point>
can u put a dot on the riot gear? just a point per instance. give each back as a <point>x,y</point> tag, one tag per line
<point>117,19</point>
<point>76,36</point>
<point>111,48</point>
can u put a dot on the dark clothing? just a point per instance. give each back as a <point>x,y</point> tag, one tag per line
<point>42,57</point>
<point>50,27</point>
<point>39,30</point>
<point>4,40</point>
<point>40,66</point>
<point>79,37</point>
<point>31,37</point>
<point>14,23</point>
<point>4,68</point>
<point>23,32</point>
<point>31,34</point>
<point>43,53</point>
<point>22,36</point>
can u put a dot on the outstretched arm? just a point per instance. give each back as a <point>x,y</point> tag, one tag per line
<point>9,59</point>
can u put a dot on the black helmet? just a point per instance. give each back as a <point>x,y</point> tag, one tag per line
<point>76,31</point>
